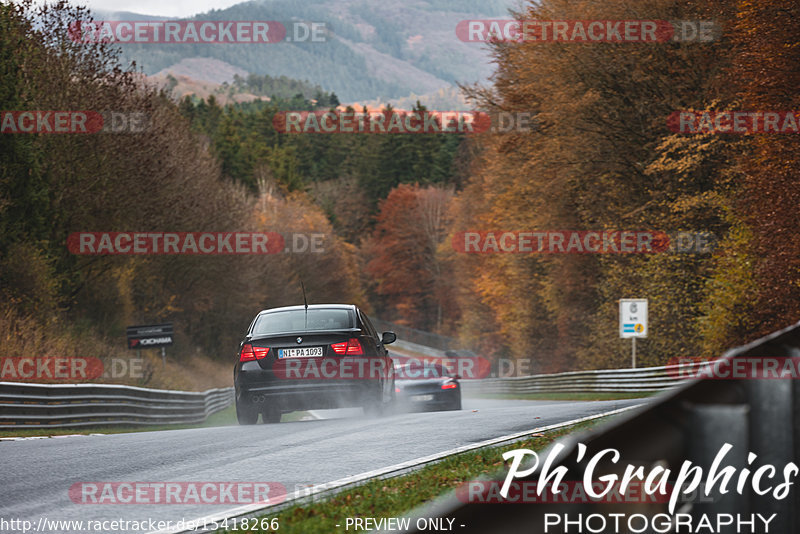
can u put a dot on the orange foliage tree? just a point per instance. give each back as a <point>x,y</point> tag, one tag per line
<point>408,275</point>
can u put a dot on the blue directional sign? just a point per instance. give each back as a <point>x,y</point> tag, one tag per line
<point>632,318</point>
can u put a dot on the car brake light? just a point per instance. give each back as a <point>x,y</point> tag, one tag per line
<point>247,353</point>
<point>397,390</point>
<point>449,385</point>
<point>250,353</point>
<point>354,347</point>
<point>351,347</point>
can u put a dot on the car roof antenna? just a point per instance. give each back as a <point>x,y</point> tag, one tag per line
<point>305,302</point>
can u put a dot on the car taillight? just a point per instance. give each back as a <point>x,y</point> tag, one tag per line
<point>354,347</point>
<point>351,347</point>
<point>397,390</point>
<point>250,353</point>
<point>449,385</point>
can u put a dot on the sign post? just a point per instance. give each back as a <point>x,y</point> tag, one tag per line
<point>633,322</point>
<point>153,335</point>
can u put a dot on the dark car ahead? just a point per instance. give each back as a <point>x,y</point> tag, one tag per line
<point>320,356</point>
<point>423,385</point>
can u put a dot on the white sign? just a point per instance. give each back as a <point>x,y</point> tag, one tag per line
<point>632,318</point>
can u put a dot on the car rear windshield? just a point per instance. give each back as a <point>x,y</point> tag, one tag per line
<point>422,370</point>
<point>296,321</point>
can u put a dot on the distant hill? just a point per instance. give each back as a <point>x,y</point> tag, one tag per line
<point>226,91</point>
<point>446,99</point>
<point>376,50</point>
<point>181,86</point>
<point>203,69</point>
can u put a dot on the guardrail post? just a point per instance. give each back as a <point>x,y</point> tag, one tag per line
<point>771,438</point>
<point>796,444</point>
<point>710,427</point>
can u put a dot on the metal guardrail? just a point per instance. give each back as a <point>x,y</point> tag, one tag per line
<point>644,380</point>
<point>688,423</point>
<point>24,405</point>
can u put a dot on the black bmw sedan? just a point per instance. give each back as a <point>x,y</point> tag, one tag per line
<point>312,357</point>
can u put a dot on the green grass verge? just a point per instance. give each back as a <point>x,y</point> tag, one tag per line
<point>223,418</point>
<point>395,497</point>
<point>570,396</point>
<point>226,417</point>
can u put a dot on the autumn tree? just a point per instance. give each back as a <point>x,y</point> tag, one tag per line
<point>590,165</point>
<point>766,74</point>
<point>404,263</point>
<point>165,178</point>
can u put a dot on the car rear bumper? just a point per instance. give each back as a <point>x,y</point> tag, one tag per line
<point>441,399</point>
<point>263,388</point>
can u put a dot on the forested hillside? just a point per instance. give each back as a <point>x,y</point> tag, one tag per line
<point>373,50</point>
<point>602,158</point>
<point>162,179</point>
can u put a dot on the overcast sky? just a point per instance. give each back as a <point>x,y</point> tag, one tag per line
<point>165,8</point>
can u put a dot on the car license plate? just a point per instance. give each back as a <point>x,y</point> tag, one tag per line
<point>422,398</point>
<point>300,352</point>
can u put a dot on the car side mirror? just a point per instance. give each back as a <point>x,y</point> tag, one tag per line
<point>388,337</point>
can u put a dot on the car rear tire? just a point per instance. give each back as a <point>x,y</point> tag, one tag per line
<point>372,410</point>
<point>246,413</point>
<point>379,408</point>
<point>271,416</point>
<point>456,405</point>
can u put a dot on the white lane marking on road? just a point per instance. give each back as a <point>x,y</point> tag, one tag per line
<point>19,438</point>
<point>336,413</point>
<point>319,490</point>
